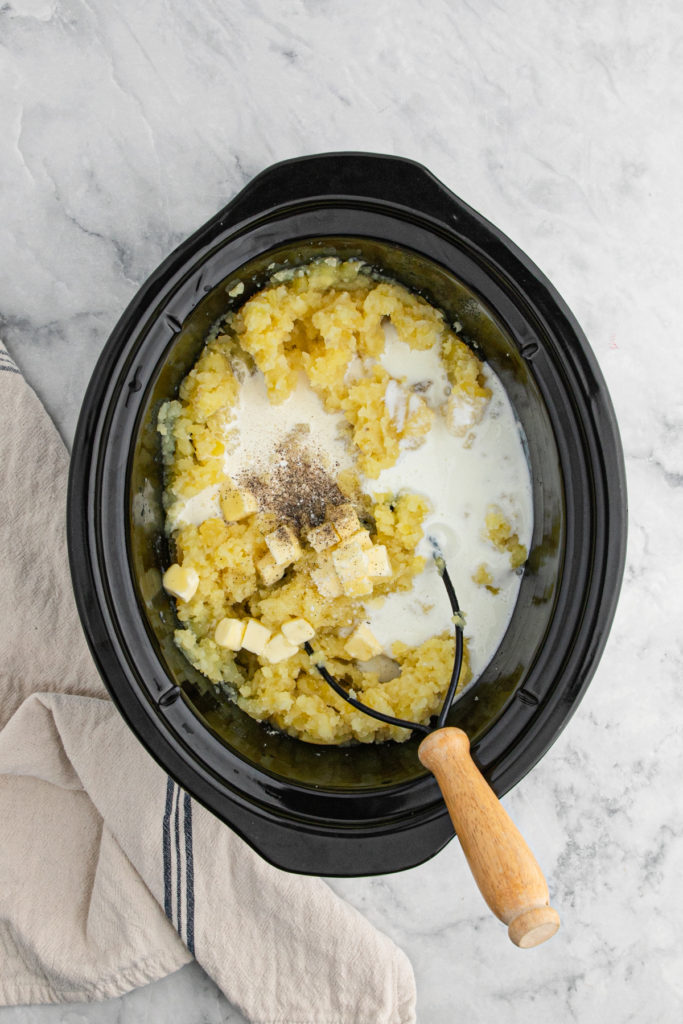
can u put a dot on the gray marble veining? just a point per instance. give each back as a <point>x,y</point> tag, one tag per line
<point>125,126</point>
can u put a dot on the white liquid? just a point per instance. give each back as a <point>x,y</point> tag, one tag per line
<point>260,427</point>
<point>461,483</point>
<point>415,367</point>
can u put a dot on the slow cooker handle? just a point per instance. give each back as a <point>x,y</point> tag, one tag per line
<point>503,866</point>
<point>368,177</point>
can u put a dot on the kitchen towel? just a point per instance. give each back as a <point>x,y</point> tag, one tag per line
<point>110,875</point>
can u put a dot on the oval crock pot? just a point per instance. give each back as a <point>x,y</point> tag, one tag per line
<point>360,809</point>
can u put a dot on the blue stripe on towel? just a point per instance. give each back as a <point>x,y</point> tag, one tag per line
<point>167,849</point>
<point>189,873</point>
<point>173,874</point>
<point>176,825</point>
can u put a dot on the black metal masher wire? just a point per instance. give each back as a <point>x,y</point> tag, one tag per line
<point>437,721</point>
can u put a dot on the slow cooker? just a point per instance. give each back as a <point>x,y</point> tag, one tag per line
<point>361,809</point>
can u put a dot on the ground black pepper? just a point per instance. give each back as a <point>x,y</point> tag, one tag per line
<point>296,484</point>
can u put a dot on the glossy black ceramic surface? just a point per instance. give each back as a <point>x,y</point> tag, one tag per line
<point>363,809</point>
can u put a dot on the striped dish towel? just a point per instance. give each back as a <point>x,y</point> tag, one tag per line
<point>110,875</point>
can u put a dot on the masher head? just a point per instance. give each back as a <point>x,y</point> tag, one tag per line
<point>437,721</point>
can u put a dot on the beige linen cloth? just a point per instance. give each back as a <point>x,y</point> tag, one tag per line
<point>110,876</point>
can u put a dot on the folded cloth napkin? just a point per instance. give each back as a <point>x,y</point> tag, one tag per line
<point>110,875</point>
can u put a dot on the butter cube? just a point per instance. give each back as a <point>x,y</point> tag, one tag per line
<point>327,582</point>
<point>283,545</point>
<point>180,582</point>
<point>270,571</point>
<point>279,649</point>
<point>363,644</point>
<point>360,586</point>
<point>322,537</point>
<point>378,561</point>
<point>298,631</point>
<point>237,503</point>
<point>324,561</point>
<point>362,538</point>
<point>344,519</point>
<point>349,560</point>
<point>463,412</point>
<point>230,633</point>
<point>255,637</point>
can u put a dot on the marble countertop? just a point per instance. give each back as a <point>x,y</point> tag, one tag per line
<point>125,126</point>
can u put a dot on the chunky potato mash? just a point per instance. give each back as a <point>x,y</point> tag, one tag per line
<point>299,542</point>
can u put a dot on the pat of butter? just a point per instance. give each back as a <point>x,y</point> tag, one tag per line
<point>349,560</point>
<point>283,545</point>
<point>298,631</point>
<point>256,636</point>
<point>322,537</point>
<point>378,561</point>
<point>181,583</point>
<point>344,519</point>
<point>327,582</point>
<point>463,412</point>
<point>270,571</point>
<point>358,586</point>
<point>279,649</point>
<point>363,644</point>
<point>230,633</point>
<point>361,538</point>
<point>237,503</point>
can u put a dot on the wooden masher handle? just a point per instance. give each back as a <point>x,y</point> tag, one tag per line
<point>503,866</point>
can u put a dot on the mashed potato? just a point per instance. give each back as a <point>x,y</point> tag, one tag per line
<point>323,324</point>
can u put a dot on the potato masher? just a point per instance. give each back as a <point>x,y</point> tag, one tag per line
<point>503,866</point>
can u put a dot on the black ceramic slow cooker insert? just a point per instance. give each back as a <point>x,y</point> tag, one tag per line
<point>367,808</point>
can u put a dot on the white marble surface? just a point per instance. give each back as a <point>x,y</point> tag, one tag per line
<point>125,125</point>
